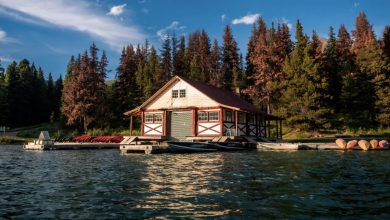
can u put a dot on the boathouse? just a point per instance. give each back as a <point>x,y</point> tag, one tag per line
<point>185,109</point>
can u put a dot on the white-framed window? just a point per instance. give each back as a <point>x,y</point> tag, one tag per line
<point>149,118</point>
<point>241,118</point>
<point>182,93</point>
<point>213,116</point>
<point>202,116</point>
<point>157,118</point>
<point>175,93</point>
<point>153,118</point>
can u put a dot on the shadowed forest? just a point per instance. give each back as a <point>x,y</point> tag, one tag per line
<point>339,83</point>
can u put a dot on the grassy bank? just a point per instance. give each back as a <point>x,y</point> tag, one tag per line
<point>293,134</point>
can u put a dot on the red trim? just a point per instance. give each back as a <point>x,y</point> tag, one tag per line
<point>236,121</point>
<point>165,123</point>
<point>142,123</point>
<point>221,121</point>
<point>194,122</point>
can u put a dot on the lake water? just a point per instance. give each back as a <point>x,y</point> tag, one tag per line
<point>103,184</point>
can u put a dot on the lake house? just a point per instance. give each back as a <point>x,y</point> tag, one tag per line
<point>185,109</point>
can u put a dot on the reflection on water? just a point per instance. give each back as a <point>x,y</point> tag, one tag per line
<point>104,184</point>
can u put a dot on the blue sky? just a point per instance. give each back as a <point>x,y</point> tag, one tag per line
<point>48,32</point>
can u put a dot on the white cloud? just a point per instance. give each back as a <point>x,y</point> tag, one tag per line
<point>248,19</point>
<point>5,59</point>
<point>164,32</point>
<point>3,36</point>
<point>117,10</point>
<point>75,15</point>
<point>145,10</point>
<point>356,4</point>
<point>286,21</point>
<point>5,39</point>
<point>223,17</point>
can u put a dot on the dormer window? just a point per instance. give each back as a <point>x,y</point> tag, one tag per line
<point>182,93</point>
<point>175,93</point>
<point>179,93</point>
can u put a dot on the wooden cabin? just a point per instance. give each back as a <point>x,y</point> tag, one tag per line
<point>187,109</point>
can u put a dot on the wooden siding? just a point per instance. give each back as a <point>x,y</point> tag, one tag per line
<point>194,98</point>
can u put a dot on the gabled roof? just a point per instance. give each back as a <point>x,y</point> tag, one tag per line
<point>223,97</point>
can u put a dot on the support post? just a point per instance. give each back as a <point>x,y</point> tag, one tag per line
<point>268,128</point>
<point>281,131</point>
<point>236,121</point>
<point>131,125</point>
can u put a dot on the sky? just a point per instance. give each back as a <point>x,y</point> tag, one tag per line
<point>48,32</point>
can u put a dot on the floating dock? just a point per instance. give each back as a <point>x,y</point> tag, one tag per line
<point>71,146</point>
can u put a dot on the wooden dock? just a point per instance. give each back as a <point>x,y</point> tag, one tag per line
<point>296,146</point>
<point>71,146</point>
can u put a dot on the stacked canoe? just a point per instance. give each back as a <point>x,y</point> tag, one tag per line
<point>98,139</point>
<point>363,144</point>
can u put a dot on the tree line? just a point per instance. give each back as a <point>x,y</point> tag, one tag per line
<point>27,97</point>
<point>338,83</point>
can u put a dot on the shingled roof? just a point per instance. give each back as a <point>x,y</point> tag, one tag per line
<point>223,97</point>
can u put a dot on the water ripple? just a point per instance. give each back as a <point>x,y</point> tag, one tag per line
<point>106,185</point>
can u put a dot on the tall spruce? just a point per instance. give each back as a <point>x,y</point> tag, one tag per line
<point>230,58</point>
<point>302,100</point>
<point>216,75</point>
<point>166,61</point>
<point>330,71</point>
<point>3,98</point>
<point>58,87</point>
<point>369,66</point>
<point>83,96</point>
<point>179,59</point>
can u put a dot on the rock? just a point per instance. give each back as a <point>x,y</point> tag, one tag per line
<point>364,145</point>
<point>383,144</point>
<point>341,143</point>
<point>352,144</point>
<point>374,144</point>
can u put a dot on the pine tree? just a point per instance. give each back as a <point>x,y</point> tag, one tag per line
<point>12,81</point>
<point>216,75</point>
<point>304,86</point>
<point>363,33</point>
<point>58,87</point>
<point>330,71</point>
<point>3,99</point>
<point>50,96</point>
<point>179,59</point>
<point>386,41</point>
<point>230,58</point>
<point>166,62</point>
<point>82,96</point>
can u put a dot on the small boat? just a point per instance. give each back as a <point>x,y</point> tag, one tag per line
<point>278,146</point>
<point>175,148</point>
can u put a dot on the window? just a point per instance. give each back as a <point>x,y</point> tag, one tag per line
<point>157,118</point>
<point>182,93</point>
<point>202,116</point>
<point>175,93</point>
<point>149,118</point>
<point>241,118</point>
<point>153,118</point>
<point>213,116</point>
<point>228,116</point>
